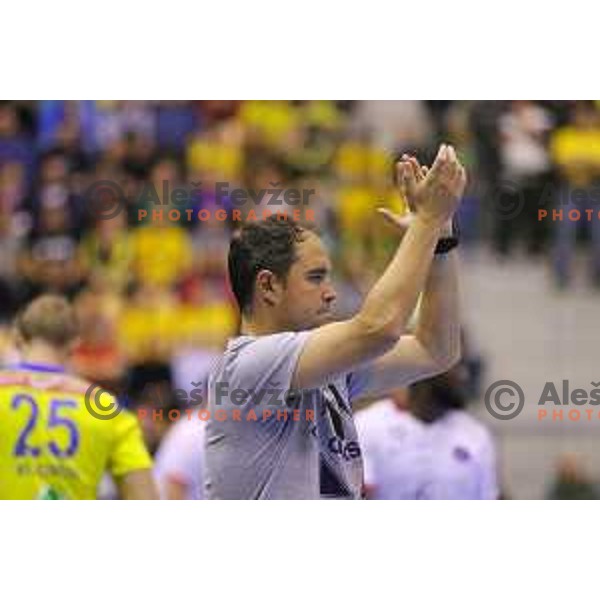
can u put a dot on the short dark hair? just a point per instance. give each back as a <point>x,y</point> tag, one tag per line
<point>268,244</point>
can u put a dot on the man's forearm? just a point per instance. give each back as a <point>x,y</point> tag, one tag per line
<point>438,322</point>
<point>392,299</point>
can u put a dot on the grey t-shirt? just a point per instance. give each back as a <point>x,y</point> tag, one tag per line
<point>265,442</point>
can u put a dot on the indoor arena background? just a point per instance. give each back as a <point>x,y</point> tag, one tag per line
<point>151,292</point>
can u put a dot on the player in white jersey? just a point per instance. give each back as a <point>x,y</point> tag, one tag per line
<point>179,461</point>
<point>286,384</point>
<point>421,445</point>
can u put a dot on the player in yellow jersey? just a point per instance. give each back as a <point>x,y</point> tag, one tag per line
<point>54,443</point>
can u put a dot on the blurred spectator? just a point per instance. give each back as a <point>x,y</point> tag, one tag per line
<point>179,461</point>
<point>525,173</point>
<point>422,445</point>
<point>394,125</point>
<point>13,226</point>
<point>51,261</point>
<point>439,109</point>
<point>10,248</point>
<point>576,152</point>
<point>13,189</point>
<point>139,155</point>
<point>60,127</point>
<point>53,188</point>
<point>150,396</point>
<point>97,356</point>
<point>484,123</point>
<point>210,242</point>
<point>107,253</point>
<point>15,145</point>
<point>113,120</point>
<point>572,482</point>
<point>175,122</point>
<point>162,253</point>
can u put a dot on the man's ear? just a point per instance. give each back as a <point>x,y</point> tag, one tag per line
<point>268,287</point>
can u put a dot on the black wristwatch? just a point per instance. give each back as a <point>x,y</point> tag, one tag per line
<point>448,243</point>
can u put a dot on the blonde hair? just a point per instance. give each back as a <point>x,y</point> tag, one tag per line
<point>50,319</point>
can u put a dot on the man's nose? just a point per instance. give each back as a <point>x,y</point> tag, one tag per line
<point>329,295</point>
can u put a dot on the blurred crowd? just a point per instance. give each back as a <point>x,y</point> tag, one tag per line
<point>151,293</point>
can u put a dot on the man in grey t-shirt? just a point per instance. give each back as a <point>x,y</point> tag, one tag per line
<point>280,399</point>
<point>297,445</point>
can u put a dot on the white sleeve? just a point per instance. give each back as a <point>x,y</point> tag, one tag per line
<point>178,457</point>
<point>488,471</point>
<point>367,439</point>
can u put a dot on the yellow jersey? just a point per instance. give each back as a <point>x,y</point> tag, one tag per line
<point>53,445</point>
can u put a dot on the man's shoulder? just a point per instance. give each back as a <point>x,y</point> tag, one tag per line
<point>264,349</point>
<point>256,361</point>
<point>245,341</point>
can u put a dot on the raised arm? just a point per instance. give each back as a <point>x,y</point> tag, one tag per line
<point>375,330</point>
<point>435,346</point>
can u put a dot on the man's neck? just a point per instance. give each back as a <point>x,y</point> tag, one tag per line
<point>254,328</point>
<point>260,324</point>
<point>40,354</point>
